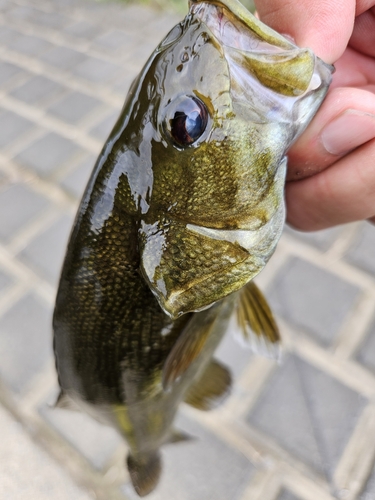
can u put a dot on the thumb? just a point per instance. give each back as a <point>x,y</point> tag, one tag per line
<point>322,25</point>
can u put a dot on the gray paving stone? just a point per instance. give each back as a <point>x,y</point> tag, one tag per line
<point>25,341</point>
<point>96,70</point>
<point>8,71</point>
<point>82,29</point>
<point>45,252</point>
<point>361,253</point>
<point>368,492</point>
<point>287,495</point>
<point>63,57</point>
<point>75,182</point>
<point>74,107</point>
<point>322,240</point>
<point>7,34</point>
<point>27,472</point>
<point>30,45</point>
<point>37,16</point>
<point>113,40</point>
<point>366,352</point>
<point>12,127</point>
<point>233,355</point>
<point>103,129</point>
<point>204,468</point>
<point>315,414</point>
<point>122,85</point>
<point>18,206</point>
<point>312,299</point>
<point>94,441</point>
<point>37,89</point>
<point>47,154</point>
<point>5,281</point>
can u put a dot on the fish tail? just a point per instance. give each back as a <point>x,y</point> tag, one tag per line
<point>144,472</point>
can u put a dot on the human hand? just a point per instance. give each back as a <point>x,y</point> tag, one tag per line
<point>331,168</point>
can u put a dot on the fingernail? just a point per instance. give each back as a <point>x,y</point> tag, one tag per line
<point>348,131</point>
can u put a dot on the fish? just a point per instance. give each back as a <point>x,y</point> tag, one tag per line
<point>183,209</point>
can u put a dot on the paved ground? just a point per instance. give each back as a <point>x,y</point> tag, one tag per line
<point>301,430</point>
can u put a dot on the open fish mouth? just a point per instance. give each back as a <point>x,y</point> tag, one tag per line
<point>268,71</point>
<point>236,27</point>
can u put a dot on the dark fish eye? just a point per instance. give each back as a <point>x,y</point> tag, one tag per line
<point>186,120</point>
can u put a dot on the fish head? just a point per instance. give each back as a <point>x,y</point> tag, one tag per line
<point>217,106</point>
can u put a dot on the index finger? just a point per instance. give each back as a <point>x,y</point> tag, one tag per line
<point>322,25</point>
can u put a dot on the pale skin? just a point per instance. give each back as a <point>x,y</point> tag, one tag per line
<point>331,174</point>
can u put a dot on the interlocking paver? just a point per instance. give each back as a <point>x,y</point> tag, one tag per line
<point>37,89</point>
<point>47,154</point>
<point>82,29</point>
<point>19,204</point>
<point>7,71</point>
<point>63,57</point>
<point>368,492</point>
<point>31,45</point>
<point>287,495</point>
<point>96,70</point>
<point>203,468</point>
<point>94,441</point>
<point>45,252</point>
<point>366,352</point>
<point>5,281</point>
<point>12,127</point>
<point>322,307</point>
<point>361,252</point>
<point>74,107</point>
<point>27,471</point>
<point>315,413</point>
<point>75,181</point>
<point>102,130</point>
<point>25,341</point>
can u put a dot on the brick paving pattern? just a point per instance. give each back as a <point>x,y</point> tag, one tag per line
<point>301,429</point>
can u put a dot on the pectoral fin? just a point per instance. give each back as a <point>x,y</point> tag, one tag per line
<point>211,388</point>
<point>204,327</point>
<point>187,347</point>
<point>144,473</point>
<point>256,322</point>
<point>178,437</point>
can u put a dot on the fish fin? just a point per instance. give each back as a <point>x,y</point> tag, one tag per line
<point>64,401</point>
<point>256,322</point>
<point>186,349</point>
<point>178,437</point>
<point>144,473</point>
<point>211,388</point>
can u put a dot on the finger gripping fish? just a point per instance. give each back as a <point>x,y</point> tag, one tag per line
<point>183,209</point>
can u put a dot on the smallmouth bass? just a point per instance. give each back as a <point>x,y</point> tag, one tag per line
<point>183,209</point>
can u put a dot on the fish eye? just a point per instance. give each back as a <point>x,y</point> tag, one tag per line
<point>186,120</point>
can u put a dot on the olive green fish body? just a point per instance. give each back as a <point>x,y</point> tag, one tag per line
<point>183,209</point>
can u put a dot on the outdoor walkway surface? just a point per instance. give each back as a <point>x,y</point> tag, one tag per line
<point>300,430</point>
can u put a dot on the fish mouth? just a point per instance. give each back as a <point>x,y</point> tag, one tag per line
<point>236,27</point>
<point>269,74</point>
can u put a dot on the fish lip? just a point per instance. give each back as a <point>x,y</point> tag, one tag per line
<point>234,10</point>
